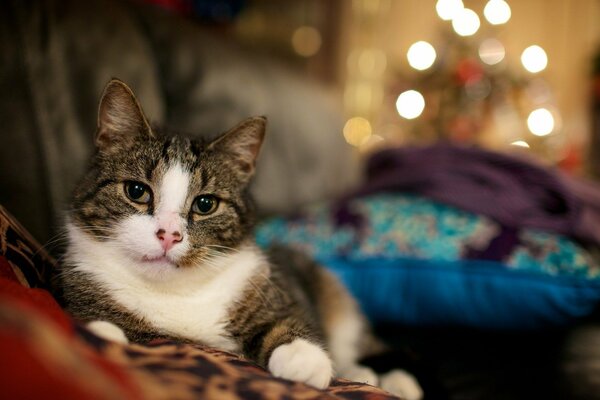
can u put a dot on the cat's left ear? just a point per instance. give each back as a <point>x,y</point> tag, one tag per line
<point>120,117</point>
<point>243,143</point>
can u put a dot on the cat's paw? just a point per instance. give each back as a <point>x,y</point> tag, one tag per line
<point>108,331</point>
<point>402,384</point>
<point>360,373</point>
<point>302,361</point>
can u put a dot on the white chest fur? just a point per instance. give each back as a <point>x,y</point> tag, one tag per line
<point>187,302</point>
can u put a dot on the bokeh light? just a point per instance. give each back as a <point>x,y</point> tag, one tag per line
<point>410,104</point>
<point>520,143</point>
<point>448,9</point>
<point>540,122</point>
<point>421,55</point>
<point>306,41</point>
<point>357,130</point>
<point>491,51</point>
<point>497,12</point>
<point>466,22</point>
<point>372,62</point>
<point>534,59</point>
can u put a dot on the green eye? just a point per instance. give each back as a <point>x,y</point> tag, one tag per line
<point>205,204</point>
<point>138,192</point>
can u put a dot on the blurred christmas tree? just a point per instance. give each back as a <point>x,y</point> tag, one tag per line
<point>464,89</point>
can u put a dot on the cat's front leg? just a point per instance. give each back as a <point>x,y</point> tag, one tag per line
<point>291,350</point>
<point>302,361</point>
<point>107,331</point>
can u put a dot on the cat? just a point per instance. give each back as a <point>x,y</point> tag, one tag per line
<point>160,246</point>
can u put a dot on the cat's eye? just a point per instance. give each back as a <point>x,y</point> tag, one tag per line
<point>205,204</point>
<point>138,192</point>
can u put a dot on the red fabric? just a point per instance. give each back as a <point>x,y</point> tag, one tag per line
<point>34,299</point>
<point>24,376</point>
<point>41,355</point>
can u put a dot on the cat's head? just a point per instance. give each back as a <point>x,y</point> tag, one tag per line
<point>164,202</point>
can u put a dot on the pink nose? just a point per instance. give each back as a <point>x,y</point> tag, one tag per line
<point>168,240</point>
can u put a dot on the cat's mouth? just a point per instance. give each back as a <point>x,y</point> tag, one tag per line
<point>162,259</point>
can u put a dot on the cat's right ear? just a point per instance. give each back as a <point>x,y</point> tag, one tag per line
<point>120,117</point>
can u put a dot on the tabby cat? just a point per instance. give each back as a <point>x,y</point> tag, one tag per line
<point>160,245</point>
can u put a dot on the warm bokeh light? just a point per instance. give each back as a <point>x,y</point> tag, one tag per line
<point>421,55</point>
<point>306,41</point>
<point>357,131</point>
<point>520,143</point>
<point>534,59</point>
<point>497,12</point>
<point>372,62</point>
<point>410,104</point>
<point>448,9</point>
<point>540,122</point>
<point>466,22</point>
<point>491,51</point>
<point>373,143</point>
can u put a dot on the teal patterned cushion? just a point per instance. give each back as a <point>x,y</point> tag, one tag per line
<point>418,236</point>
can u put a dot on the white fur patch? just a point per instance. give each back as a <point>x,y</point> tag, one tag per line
<point>360,373</point>
<point>108,331</point>
<point>190,302</point>
<point>302,361</point>
<point>402,384</point>
<point>173,190</point>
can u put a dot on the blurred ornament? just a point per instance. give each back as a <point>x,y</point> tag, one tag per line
<point>491,51</point>
<point>534,59</point>
<point>497,12</point>
<point>410,104</point>
<point>478,89</point>
<point>468,70</point>
<point>421,55</point>
<point>466,22</point>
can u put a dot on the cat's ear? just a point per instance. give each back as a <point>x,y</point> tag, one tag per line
<point>120,117</point>
<point>242,143</point>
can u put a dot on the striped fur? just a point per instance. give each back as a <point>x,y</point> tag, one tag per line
<point>214,286</point>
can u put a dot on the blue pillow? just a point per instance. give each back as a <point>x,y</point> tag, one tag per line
<point>413,261</point>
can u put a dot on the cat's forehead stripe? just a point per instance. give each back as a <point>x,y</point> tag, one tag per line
<point>173,189</point>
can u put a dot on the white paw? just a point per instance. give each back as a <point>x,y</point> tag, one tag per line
<point>359,373</point>
<point>108,331</point>
<point>302,361</point>
<point>402,384</point>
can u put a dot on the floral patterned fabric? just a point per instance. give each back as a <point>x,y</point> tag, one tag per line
<point>47,355</point>
<point>417,262</point>
<point>400,225</point>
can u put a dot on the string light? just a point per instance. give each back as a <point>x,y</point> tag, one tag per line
<point>466,22</point>
<point>534,59</point>
<point>497,12</point>
<point>421,55</point>
<point>410,104</point>
<point>448,9</point>
<point>540,122</point>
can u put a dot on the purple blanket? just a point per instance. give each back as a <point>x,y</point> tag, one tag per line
<point>515,192</point>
